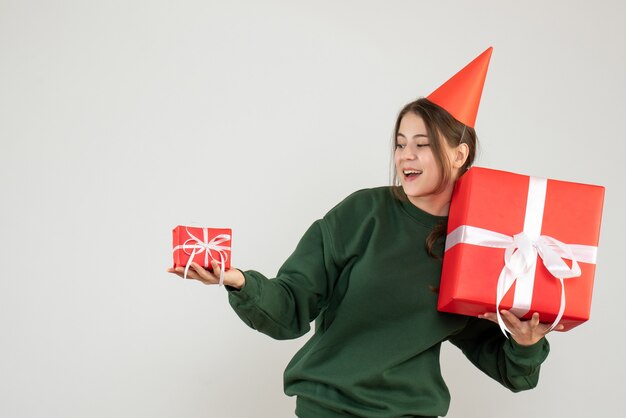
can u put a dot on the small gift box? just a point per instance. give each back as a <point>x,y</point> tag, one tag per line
<point>202,245</point>
<point>521,243</point>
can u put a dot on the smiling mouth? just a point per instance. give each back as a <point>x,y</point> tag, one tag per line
<point>409,174</point>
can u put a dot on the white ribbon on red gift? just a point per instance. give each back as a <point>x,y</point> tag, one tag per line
<point>197,246</point>
<point>520,256</point>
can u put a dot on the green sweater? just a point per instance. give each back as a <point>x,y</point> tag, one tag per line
<point>363,274</point>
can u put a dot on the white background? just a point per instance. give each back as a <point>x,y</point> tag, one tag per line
<point>122,119</point>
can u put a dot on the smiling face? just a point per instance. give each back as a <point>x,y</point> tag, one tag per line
<point>419,171</point>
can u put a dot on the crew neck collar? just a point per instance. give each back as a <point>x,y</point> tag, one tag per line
<point>422,216</point>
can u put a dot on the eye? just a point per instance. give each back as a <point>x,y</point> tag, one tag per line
<point>400,146</point>
<point>422,145</point>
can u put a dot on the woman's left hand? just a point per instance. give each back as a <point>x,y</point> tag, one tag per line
<point>524,332</point>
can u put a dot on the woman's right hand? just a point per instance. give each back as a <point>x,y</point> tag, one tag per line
<point>232,277</point>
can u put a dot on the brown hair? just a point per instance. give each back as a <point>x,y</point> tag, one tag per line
<point>440,126</point>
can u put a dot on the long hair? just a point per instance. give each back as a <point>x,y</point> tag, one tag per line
<point>440,126</point>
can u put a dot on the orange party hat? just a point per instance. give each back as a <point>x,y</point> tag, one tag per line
<point>460,95</point>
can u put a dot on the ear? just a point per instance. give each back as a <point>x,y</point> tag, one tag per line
<point>460,155</point>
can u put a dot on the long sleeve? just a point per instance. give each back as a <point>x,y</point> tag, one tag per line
<point>363,273</point>
<point>513,365</point>
<point>284,307</point>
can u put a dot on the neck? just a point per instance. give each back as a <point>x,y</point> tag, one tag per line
<point>437,204</point>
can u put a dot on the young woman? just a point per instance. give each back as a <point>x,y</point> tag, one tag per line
<point>368,273</point>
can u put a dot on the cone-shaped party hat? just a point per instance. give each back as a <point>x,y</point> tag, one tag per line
<point>460,95</point>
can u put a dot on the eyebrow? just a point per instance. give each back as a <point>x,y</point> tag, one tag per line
<point>414,136</point>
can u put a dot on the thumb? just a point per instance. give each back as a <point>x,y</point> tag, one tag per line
<point>217,272</point>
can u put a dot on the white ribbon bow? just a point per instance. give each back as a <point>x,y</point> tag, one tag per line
<point>198,246</point>
<point>520,259</point>
<point>521,250</point>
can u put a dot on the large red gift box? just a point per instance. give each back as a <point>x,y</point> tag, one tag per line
<point>201,245</point>
<point>521,243</point>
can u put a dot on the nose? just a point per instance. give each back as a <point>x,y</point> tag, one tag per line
<point>408,153</point>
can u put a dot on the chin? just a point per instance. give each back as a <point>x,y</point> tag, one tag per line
<point>412,190</point>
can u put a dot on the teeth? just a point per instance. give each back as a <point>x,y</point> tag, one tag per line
<point>407,172</point>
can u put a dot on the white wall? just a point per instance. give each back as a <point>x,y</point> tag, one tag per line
<point>122,119</point>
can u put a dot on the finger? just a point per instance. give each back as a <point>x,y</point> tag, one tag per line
<point>198,268</point>
<point>489,316</point>
<point>534,320</point>
<point>180,272</point>
<point>202,273</point>
<point>216,268</point>
<point>173,272</point>
<point>176,270</point>
<point>513,323</point>
<point>510,319</point>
